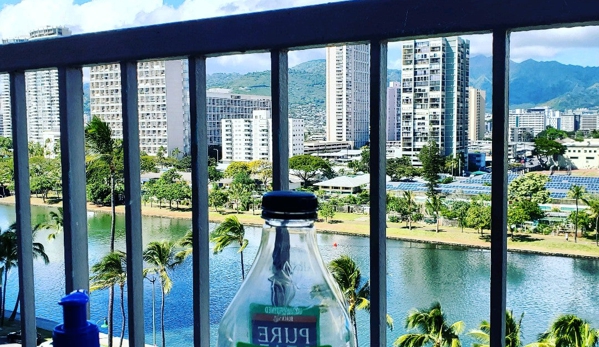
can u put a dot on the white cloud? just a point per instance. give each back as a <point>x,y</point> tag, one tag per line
<point>99,15</point>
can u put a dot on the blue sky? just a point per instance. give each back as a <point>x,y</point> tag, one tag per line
<point>578,46</point>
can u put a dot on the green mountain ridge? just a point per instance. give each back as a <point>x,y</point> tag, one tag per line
<point>532,83</point>
<point>307,82</point>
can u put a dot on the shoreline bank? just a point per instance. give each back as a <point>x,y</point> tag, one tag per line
<point>358,225</point>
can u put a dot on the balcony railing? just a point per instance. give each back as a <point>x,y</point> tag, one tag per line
<point>375,22</point>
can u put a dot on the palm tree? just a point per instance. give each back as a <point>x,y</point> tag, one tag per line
<point>229,231</point>
<point>56,223</point>
<point>408,197</point>
<point>513,332</point>
<point>187,243</point>
<point>98,138</point>
<point>576,192</point>
<point>108,272</point>
<point>357,294</point>
<point>569,331</point>
<point>433,329</point>
<point>434,204</point>
<point>9,260</point>
<point>162,257</point>
<point>593,203</point>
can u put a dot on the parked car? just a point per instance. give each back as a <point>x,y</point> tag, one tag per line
<point>15,337</point>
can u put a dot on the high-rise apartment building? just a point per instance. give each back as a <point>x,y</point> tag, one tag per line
<point>251,139</point>
<point>6,128</point>
<point>224,105</point>
<point>163,117</point>
<point>394,111</point>
<point>163,105</point>
<point>536,118</point>
<point>348,94</point>
<point>476,114</point>
<point>434,95</point>
<point>41,90</point>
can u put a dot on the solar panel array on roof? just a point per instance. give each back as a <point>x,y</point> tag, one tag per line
<point>557,185</point>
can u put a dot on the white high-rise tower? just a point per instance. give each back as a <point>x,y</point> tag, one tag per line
<point>42,93</point>
<point>348,94</point>
<point>393,111</point>
<point>434,95</point>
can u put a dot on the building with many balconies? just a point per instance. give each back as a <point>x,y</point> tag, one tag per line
<point>251,139</point>
<point>434,95</point>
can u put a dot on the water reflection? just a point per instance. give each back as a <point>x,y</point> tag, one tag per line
<point>417,274</point>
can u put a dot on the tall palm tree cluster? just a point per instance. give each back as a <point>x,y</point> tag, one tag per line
<point>161,258</point>
<point>9,261</point>
<point>429,327</point>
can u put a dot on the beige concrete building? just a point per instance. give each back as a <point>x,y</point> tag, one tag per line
<point>581,154</point>
<point>476,114</point>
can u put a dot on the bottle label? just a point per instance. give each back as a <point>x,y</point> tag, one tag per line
<point>283,326</point>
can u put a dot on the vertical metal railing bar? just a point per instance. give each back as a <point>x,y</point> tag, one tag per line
<point>280,119</point>
<point>378,194</point>
<point>18,106</point>
<point>74,204</point>
<point>501,61</point>
<point>199,201</point>
<point>132,203</point>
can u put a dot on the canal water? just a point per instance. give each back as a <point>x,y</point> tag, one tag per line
<point>540,286</point>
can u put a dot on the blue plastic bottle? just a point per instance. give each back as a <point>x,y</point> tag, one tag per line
<point>76,329</point>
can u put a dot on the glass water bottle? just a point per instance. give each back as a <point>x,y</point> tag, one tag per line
<point>288,299</point>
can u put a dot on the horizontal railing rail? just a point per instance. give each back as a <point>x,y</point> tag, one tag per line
<point>375,22</point>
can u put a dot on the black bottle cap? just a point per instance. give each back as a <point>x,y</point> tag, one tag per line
<point>285,204</point>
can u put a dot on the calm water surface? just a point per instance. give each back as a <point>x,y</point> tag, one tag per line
<point>540,286</point>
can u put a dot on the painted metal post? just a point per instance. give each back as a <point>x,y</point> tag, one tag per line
<point>378,196</point>
<point>135,286</point>
<point>23,207</point>
<point>280,119</point>
<point>74,202</point>
<point>501,62</point>
<point>199,201</point>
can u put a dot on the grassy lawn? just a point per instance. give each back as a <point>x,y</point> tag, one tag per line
<point>359,224</point>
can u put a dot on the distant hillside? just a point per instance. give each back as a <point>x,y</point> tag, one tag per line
<point>307,82</point>
<point>534,83</point>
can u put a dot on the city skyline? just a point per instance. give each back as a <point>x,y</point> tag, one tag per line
<point>577,46</point>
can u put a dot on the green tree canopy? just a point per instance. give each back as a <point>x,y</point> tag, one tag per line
<point>432,165</point>
<point>326,210</point>
<point>433,329</point>
<point>401,168</point>
<point>107,153</point>
<point>110,271</point>
<point>237,167</point>
<point>546,148</point>
<point>363,164</point>
<point>162,259</point>
<point>552,133</point>
<point>228,232</point>
<point>355,290</point>
<point>307,167</point>
<point>577,193</point>
<point>479,215</point>
<point>569,330</point>
<point>513,334</point>
<point>529,187</point>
